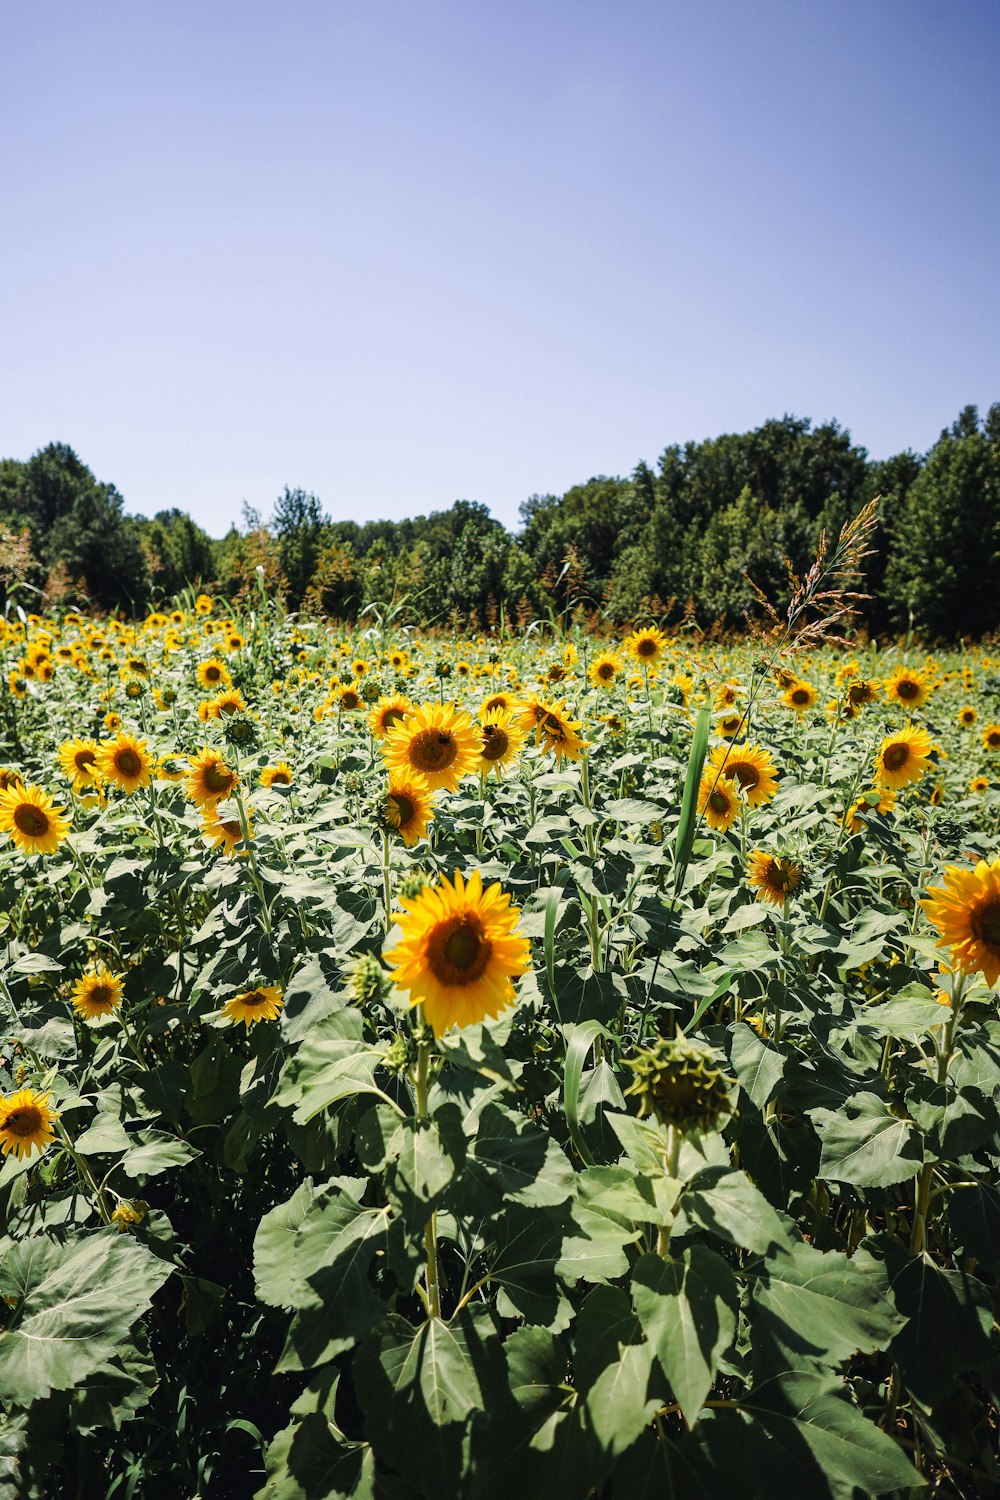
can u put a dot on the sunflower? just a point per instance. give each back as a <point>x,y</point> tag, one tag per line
<point>229,701</point>
<point>910,689</point>
<point>775,877</point>
<point>279,775</point>
<point>800,696</point>
<point>78,760</point>
<point>991,737</point>
<point>225,831</point>
<point>506,701</point>
<point>646,646</point>
<point>605,670</point>
<point>718,801</point>
<point>348,697</point>
<point>437,741</point>
<point>730,726</point>
<point>388,711</point>
<point>458,953</point>
<point>209,779</point>
<point>978,785</point>
<point>33,821</point>
<point>966,912</point>
<point>126,762</point>
<point>502,741</point>
<point>903,757</point>
<point>97,994</point>
<point>262,1004</point>
<point>26,1123</point>
<point>860,693</point>
<point>408,806</point>
<point>880,800</point>
<point>751,766</point>
<point>10,778</point>
<point>967,716</point>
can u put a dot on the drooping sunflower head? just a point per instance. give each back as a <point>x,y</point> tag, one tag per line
<point>97,994</point>
<point>908,688</point>
<point>775,877</point>
<point>227,830</point>
<point>125,762</point>
<point>408,806</point>
<point>209,779</point>
<point>32,820</point>
<point>881,800</point>
<point>560,734</point>
<point>903,757</point>
<point>262,1004</point>
<point>682,1083</point>
<point>26,1123</point>
<point>437,741</point>
<point>966,912</point>
<point>502,739</point>
<point>458,953</point>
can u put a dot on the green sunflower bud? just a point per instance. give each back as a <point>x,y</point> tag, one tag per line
<point>681,1083</point>
<point>367,981</point>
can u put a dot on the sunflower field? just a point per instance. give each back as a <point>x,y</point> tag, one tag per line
<point>549,1064</point>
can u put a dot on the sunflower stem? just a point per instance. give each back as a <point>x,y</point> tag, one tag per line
<point>430,1232</point>
<point>386,879</point>
<point>670,1162</point>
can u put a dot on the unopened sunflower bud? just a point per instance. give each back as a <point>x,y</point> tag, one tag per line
<point>240,730</point>
<point>411,884</point>
<point>126,1215</point>
<point>681,1083</point>
<point>367,981</point>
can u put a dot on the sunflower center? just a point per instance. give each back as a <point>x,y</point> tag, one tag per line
<point>459,950</point>
<point>254,999</point>
<point>24,1122</point>
<point>907,689</point>
<point>281,778</point>
<point>985,924</point>
<point>433,750</point>
<point>719,802</point>
<point>392,716</point>
<point>212,674</point>
<point>645,647</point>
<point>401,806</point>
<point>994,740</point>
<point>231,828</point>
<point>800,695</point>
<point>128,762</point>
<point>217,778</point>
<point>605,671</point>
<point>495,742</point>
<point>31,821</point>
<point>748,776</point>
<point>895,757</point>
<point>350,699</point>
<point>84,759</point>
<point>100,995</point>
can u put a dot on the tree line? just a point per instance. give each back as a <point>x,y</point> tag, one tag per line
<point>687,540</point>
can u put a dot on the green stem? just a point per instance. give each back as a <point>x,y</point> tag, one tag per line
<point>430,1232</point>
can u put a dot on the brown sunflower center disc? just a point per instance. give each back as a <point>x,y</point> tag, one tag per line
<point>433,750</point>
<point>495,742</point>
<point>84,759</point>
<point>986,924</point>
<point>403,806</point>
<point>718,801</point>
<point>217,779</point>
<point>128,763</point>
<point>31,821</point>
<point>907,689</point>
<point>746,775</point>
<point>459,950</point>
<point>896,757</point>
<point>24,1121</point>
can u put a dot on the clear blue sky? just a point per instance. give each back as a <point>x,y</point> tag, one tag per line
<point>402,253</point>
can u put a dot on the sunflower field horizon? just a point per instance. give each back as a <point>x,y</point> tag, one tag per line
<point>552,1054</point>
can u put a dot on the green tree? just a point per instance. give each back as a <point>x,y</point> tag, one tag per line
<point>298,526</point>
<point>945,563</point>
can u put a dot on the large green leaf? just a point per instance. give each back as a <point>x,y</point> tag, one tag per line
<point>866,1144</point>
<point>687,1308</point>
<point>77,1302</point>
<point>822,1308</point>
